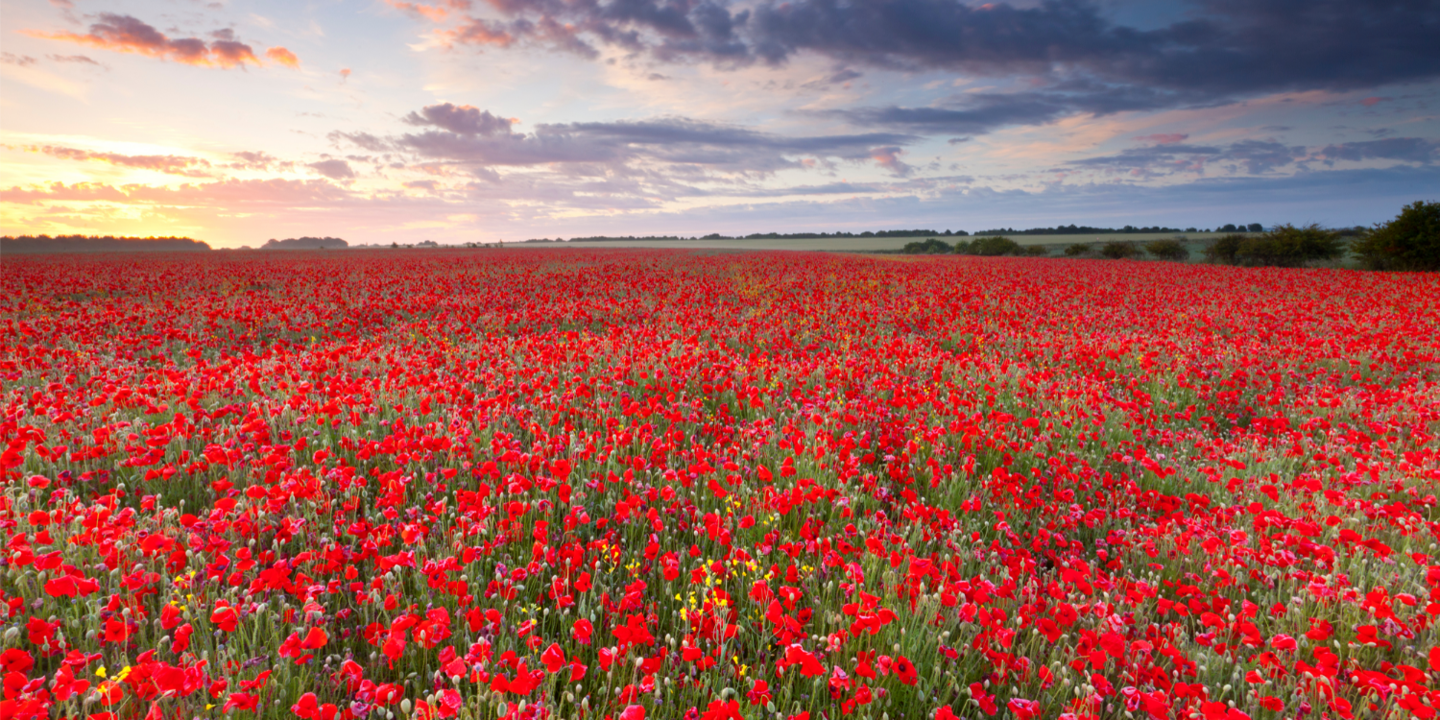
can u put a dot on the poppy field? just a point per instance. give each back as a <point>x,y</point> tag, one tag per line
<point>629,484</point>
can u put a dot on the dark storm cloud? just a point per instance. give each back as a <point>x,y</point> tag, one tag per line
<point>1224,47</point>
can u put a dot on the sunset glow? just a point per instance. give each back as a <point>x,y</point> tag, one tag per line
<point>462,121</point>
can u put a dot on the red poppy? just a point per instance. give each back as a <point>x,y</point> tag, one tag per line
<point>905,670</point>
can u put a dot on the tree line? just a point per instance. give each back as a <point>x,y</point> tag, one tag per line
<point>1411,241</point>
<point>97,243</point>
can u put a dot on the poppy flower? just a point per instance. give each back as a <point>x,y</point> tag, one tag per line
<point>905,670</point>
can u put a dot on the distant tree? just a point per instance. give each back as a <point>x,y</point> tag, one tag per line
<point>1225,248</point>
<point>933,246</point>
<point>1117,250</point>
<point>1037,250</point>
<point>305,243</point>
<point>1172,249</point>
<point>97,243</point>
<point>1077,249</point>
<point>1411,241</point>
<point>993,245</point>
<point>1283,246</point>
<point>1255,227</point>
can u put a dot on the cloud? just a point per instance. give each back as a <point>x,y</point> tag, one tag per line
<point>889,158</point>
<point>123,33</point>
<point>984,113</point>
<point>364,140</point>
<point>333,169</point>
<point>1409,149</point>
<point>464,134</point>
<point>1164,138</point>
<point>436,12</point>
<point>1257,157</point>
<point>229,193</point>
<point>979,113</point>
<point>10,58</point>
<point>1085,61</point>
<point>57,191</point>
<point>81,59</point>
<point>460,119</point>
<point>173,164</point>
<point>258,160</point>
<point>283,57</point>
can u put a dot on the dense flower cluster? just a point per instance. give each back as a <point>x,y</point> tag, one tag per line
<point>640,484</point>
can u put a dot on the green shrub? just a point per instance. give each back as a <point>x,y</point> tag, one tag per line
<point>1037,250</point>
<point>933,246</point>
<point>1077,250</point>
<point>1409,242</point>
<point>1117,250</point>
<point>1290,246</point>
<point>1173,249</point>
<point>992,245</point>
<point>1225,248</point>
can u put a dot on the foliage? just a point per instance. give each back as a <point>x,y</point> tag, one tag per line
<point>653,484</point>
<point>1073,229</point>
<point>97,243</point>
<point>1173,249</point>
<point>1120,250</point>
<point>1411,241</point>
<point>932,246</point>
<point>1225,249</point>
<point>309,243</point>
<point>1036,250</point>
<point>1290,246</point>
<point>993,245</point>
<point>1077,249</point>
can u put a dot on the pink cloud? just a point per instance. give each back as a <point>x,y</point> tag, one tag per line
<point>889,158</point>
<point>1373,101</point>
<point>174,164</point>
<point>223,193</point>
<point>477,32</point>
<point>1164,138</point>
<point>284,57</point>
<point>433,13</point>
<point>123,33</point>
<point>57,192</point>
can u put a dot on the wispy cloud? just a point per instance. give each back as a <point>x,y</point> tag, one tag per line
<point>127,34</point>
<point>173,164</point>
<point>464,134</point>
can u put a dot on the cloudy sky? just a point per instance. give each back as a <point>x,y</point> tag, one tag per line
<point>479,120</point>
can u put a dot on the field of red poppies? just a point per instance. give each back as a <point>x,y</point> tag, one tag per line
<point>668,485</point>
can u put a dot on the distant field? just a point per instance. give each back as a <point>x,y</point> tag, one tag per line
<point>866,244</point>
